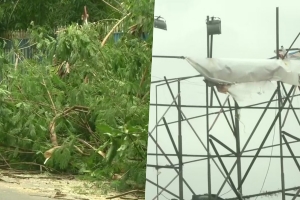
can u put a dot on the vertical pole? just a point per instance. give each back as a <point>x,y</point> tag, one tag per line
<point>210,55</point>
<point>277,33</point>
<point>180,144</point>
<point>238,146</point>
<point>207,125</point>
<point>207,144</point>
<point>279,105</point>
<point>211,45</point>
<point>207,21</point>
<point>280,139</point>
<point>211,42</point>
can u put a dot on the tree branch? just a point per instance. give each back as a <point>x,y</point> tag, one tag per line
<point>112,30</point>
<point>53,106</point>
<point>65,112</point>
<point>113,7</point>
<point>125,193</point>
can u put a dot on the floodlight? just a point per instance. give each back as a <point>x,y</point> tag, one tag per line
<point>213,26</point>
<point>160,23</point>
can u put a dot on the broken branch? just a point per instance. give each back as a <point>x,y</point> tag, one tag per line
<point>125,193</point>
<point>112,30</point>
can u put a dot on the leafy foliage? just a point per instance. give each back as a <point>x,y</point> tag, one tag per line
<point>19,14</point>
<point>89,98</point>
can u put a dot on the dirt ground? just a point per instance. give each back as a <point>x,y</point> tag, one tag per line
<point>58,187</point>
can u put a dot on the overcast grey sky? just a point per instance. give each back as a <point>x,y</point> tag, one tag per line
<point>248,31</point>
<point>248,27</point>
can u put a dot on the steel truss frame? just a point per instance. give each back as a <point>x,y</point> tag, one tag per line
<point>284,100</point>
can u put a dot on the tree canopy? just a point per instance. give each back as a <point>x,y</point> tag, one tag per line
<point>18,14</point>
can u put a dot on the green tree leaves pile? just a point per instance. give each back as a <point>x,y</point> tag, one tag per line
<point>87,99</point>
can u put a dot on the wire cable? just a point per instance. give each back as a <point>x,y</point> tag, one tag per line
<point>268,164</point>
<point>269,160</point>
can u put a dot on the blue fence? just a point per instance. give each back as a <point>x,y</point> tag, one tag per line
<point>21,49</point>
<point>118,36</point>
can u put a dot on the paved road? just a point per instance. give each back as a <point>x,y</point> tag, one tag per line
<point>7,193</point>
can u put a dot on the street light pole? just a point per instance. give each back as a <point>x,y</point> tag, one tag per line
<point>213,27</point>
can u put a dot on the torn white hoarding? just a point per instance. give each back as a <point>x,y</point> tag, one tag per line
<point>234,71</point>
<point>242,78</point>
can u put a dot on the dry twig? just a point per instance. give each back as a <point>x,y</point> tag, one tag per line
<point>27,163</point>
<point>125,193</point>
<point>49,152</point>
<point>113,28</point>
<point>17,61</point>
<point>112,6</point>
<point>90,146</point>
<point>64,113</point>
<point>5,161</point>
<point>50,97</point>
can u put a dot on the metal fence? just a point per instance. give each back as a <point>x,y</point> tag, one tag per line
<point>20,50</point>
<point>17,45</point>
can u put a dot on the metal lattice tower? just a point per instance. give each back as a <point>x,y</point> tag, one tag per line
<point>281,101</point>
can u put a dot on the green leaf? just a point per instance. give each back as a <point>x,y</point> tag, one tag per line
<point>122,148</point>
<point>16,118</point>
<point>16,152</point>
<point>104,128</point>
<point>43,128</point>
<point>32,132</point>
<point>4,92</point>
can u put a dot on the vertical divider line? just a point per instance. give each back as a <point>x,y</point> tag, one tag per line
<point>156,138</point>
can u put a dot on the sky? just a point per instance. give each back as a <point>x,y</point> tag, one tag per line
<point>248,32</point>
<point>248,27</point>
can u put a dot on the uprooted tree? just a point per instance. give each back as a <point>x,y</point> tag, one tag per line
<point>80,104</point>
